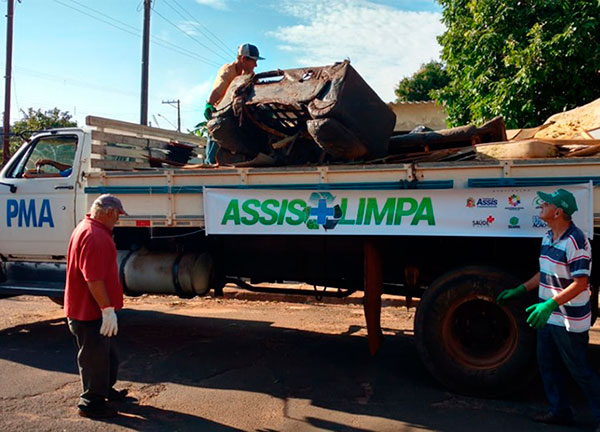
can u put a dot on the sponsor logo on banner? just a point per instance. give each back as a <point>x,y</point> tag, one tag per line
<point>514,202</point>
<point>513,223</point>
<point>537,202</point>
<point>322,211</point>
<point>485,202</point>
<point>484,222</point>
<point>538,222</point>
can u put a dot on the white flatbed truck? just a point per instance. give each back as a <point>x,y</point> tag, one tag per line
<point>452,234</point>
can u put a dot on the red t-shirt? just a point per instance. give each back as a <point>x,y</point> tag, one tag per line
<point>92,256</point>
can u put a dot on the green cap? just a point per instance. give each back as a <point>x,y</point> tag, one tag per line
<point>562,199</point>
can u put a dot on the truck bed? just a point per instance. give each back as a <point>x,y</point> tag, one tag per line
<point>177,201</point>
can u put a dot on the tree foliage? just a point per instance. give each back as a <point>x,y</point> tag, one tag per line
<point>524,60</point>
<point>37,120</point>
<point>420,86</point>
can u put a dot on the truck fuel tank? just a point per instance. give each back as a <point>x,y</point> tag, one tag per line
<point>185,275</point>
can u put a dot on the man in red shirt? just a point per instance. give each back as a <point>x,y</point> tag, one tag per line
<point>92,294</point>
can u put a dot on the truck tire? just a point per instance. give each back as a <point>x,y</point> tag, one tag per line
<point>467,341</point>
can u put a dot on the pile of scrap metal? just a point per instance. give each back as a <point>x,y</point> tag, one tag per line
<point>298,116</point>
<point>329,114</point>
<point>446,144</point>
<point>574,133</point>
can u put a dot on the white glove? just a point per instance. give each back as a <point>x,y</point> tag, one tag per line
<point>109,322</point>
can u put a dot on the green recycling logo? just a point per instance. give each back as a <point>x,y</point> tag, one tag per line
<point>324,212</point>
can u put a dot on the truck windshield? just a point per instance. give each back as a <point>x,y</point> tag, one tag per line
<point>49,156</point>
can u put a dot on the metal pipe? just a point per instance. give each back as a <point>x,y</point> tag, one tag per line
<point>245,285</point>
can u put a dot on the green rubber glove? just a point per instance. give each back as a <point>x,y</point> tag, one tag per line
<point>509,294</point>
<point>208,110</point>
<point>540,312</point>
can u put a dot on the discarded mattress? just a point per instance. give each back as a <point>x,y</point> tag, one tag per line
<point>298,116</point>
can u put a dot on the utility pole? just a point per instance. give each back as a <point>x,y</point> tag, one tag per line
<point>173,103</point>
<point>145,63</point>
<point>10,8</point>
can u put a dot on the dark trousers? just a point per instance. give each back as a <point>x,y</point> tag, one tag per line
<point>97,359</point>
<point>558,350</point>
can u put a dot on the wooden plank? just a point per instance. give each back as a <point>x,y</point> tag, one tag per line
<point>117,165</point>
<point>592,133</point>
<point>144,130</point>
<point>512,133</point>
<point>588,151</point>
<point>572,141</point>
<point>112,138</point>
<point>524,149</point>
<point>105,150</point>
<point>527,133</point>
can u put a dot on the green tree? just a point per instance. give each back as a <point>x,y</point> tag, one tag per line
<point>524,60</point>
<point>421,85</point>
<point>37,120</point>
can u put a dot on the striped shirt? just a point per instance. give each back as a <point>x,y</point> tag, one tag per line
<point>560,261</point>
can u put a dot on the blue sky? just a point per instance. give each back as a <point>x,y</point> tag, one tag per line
<point>84,56</point>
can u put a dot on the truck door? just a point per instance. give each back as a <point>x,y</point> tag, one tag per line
<point>37,219</point>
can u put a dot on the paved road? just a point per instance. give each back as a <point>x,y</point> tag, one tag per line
<point>244,363</point>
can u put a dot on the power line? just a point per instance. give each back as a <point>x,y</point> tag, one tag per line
<point>183,51</point>
<point>190,36</point>
<point>105,15</point>
<point>176,104</point>
<point>156,40</point>
<point>209,35</point>
<point>98,19</point>
<point>73,82</point>
<point>205,28</point>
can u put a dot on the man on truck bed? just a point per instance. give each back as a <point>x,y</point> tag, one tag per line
<point>92,293</point>
<point>563,290</point>
<point>244,64</point>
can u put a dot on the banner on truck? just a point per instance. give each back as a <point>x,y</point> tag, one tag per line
<point>500,212</point>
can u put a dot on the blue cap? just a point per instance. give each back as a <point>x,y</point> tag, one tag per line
<point>249,50</point>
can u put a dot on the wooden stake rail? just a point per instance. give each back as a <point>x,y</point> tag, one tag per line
<point>118,145</point>
<point>143,131</point>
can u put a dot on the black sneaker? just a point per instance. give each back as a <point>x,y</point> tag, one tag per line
<point>96,411</point>
<point>553,419</point>
<point>115,395</point>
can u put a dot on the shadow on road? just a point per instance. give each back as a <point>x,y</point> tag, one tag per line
<point>333,372</point>
<point>149,418</point>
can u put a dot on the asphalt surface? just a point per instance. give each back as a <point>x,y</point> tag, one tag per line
<point>246,362</point>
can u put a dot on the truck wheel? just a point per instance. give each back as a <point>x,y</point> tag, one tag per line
<point>467,341</point>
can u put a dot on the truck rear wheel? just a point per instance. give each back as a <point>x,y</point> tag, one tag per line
<point>467,341</point>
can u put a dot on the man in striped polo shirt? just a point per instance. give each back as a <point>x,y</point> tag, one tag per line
<point>563,314</point>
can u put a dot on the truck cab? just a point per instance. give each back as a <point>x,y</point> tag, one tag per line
<point>39,203</point>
